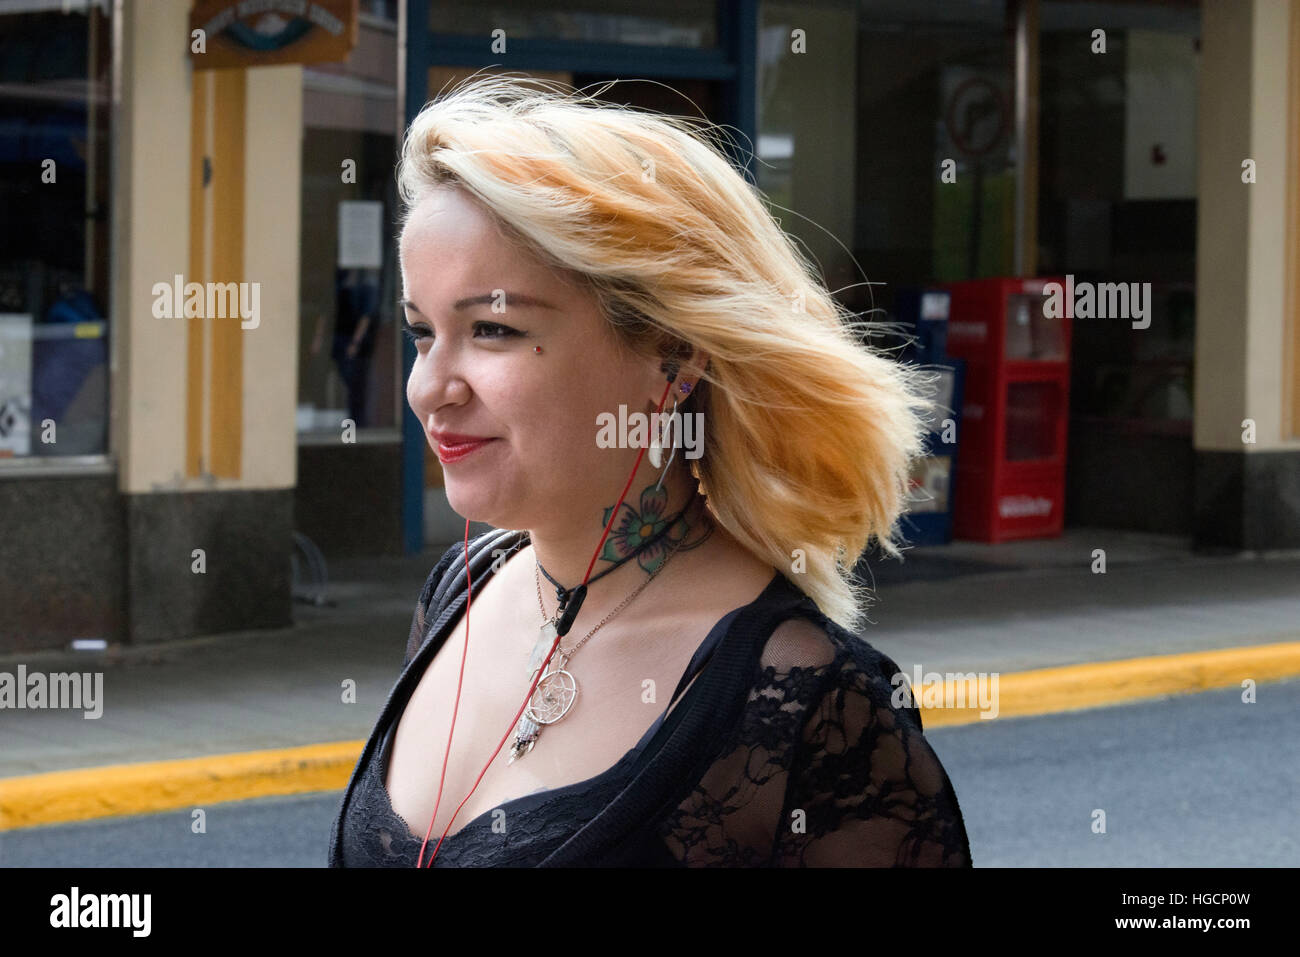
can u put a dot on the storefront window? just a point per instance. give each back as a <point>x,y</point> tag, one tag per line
<point>806,141</point>
<point>349,347</point>
<point>669,23</point>
<point>54,250</point>
<point>1117,200</point>
<point>860,161</point>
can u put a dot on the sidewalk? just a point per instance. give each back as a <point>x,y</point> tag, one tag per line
<point>1011,609</point>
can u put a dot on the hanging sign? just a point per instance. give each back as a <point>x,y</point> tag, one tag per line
<point>243,33</point>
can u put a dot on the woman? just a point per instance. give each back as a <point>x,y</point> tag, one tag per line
<point>566,266</point>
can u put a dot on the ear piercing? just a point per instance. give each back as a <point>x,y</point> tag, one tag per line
<point>685,388</point>
<point>537,350</point>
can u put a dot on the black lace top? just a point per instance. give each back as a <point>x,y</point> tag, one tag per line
<point>787,752</point>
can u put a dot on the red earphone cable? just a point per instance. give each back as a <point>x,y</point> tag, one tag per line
<point>469,597</point>
<point>540,671</point>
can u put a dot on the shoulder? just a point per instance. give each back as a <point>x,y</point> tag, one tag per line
<point>870,787</point>
<point>820,662</point>
<point>822,768</point>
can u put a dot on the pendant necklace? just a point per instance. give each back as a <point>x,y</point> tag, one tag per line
<point>557,690</point>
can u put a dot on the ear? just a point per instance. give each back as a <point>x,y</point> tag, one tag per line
<point>685,373</point>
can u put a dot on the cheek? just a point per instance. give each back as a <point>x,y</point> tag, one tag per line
<point>517,402</point>
<point>547,410</point>
<point>556,424</point>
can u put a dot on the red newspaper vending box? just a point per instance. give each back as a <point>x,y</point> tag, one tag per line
<point>1011,473</point>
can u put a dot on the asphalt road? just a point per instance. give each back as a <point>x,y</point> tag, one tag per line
<point>1190,781</point>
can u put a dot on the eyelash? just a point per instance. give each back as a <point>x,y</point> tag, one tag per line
<point>416,335</point>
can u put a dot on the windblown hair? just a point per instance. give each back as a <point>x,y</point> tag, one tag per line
<point>810,432</point>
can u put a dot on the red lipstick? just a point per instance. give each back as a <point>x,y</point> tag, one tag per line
<point>453,446</point>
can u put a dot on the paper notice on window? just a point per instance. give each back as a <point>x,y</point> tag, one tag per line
<point>15,384</point>
<point>1160,82</point>
<point>361,234</point>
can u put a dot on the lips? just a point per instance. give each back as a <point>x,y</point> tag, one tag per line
<point>452,439</point>
<point>453,445</point>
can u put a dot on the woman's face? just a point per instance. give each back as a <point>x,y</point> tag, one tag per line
<point>477,373</point>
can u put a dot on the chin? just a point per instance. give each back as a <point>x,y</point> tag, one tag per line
<point>469,504</point>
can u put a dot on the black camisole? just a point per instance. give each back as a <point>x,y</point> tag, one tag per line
<point>534,824</point>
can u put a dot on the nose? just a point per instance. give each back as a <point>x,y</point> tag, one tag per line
<point>436,380</point>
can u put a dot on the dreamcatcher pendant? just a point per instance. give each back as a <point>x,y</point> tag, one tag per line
<point>551,701</point>
<point>525,738</point>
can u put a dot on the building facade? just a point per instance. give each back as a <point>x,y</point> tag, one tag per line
<point>200,366</point>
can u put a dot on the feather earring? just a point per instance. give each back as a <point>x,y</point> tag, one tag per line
<point>664,435</point>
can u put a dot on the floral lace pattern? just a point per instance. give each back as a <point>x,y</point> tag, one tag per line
<point>822,770</point>
<point>377,836</point>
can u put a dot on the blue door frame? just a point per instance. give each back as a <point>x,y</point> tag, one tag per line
<point>733,63</point>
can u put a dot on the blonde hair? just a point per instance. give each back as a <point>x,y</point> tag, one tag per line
<point>810,432</point>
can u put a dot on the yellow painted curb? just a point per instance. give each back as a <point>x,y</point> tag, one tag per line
<point>1092,685</point>
<point>167,785</point>
<point>149,788</point>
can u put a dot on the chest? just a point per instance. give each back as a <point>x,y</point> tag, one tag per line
<point>624,676</point>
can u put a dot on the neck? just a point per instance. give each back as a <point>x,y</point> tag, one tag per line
<point>648,525</point>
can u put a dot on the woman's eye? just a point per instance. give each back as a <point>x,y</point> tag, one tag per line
<point>483,330</point>
<point>495,330</point>
<point>415,333</point>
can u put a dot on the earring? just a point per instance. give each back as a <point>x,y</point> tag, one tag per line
<point>537,350</point>
<point>661,439</point>
<point>685,388</point>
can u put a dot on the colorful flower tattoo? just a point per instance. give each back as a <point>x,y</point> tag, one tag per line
<point>635,531</point>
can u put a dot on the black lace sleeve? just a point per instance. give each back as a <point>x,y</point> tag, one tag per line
<point>823,770</point>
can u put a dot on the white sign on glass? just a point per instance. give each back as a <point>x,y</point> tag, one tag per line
<point>361,234</point>
<point>15,384</point>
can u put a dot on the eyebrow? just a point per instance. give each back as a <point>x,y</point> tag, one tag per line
<point>512,299</point>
